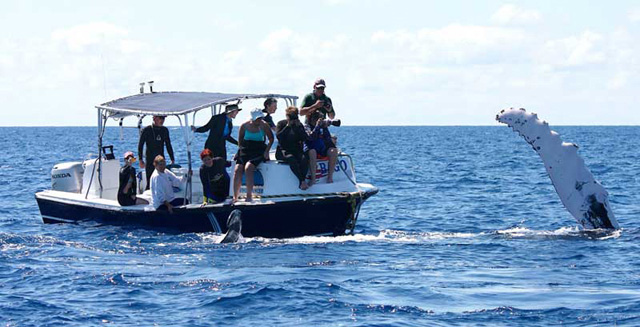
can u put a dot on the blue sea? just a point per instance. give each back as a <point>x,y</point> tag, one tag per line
<point>467,230</point>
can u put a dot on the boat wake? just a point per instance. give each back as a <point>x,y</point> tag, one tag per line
<point>564,233</point>
<point>396,236</point>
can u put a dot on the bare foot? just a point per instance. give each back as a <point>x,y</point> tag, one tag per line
<point>311,182</point>
<point>303,185</point>
<point>248,199</point>
<point>234,200</point>
<point>329,180</point>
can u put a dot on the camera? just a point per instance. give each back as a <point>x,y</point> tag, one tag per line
<point>332,122</point>
<point>292,116</point>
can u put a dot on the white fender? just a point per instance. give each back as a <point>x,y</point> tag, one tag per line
<point>580,193</point>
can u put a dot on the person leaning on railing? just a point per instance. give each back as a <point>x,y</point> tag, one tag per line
<point>220,128</point>
<point>291,149</point>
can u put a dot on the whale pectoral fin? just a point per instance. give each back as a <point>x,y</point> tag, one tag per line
<point>580,193</point>
<point>234,227</point>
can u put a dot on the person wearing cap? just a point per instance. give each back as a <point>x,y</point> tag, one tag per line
<point>317,104</point>
<point>251,151</point>
<point>128,183</point>
<point>154,137</point>
<point>270,107</point>
<point>220,128</point>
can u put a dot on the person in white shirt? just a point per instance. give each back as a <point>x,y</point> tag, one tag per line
<point>162,183</point>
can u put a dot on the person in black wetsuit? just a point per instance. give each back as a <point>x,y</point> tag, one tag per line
<point>128,184</point>
<point>220,128</point>
<point>214,177</point>
<point>292,149</point>
<point>154,137</point>
<point>270,107</point>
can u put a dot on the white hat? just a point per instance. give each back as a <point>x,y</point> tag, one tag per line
<point>256,113</point>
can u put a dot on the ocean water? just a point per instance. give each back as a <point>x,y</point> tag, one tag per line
<point>467,230</point>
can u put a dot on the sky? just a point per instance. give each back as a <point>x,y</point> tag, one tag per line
<point>385,62</point>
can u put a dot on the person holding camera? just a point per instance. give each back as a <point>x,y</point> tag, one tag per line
<point>321,144</point>
<point>291,136</point>
<point>317,105</point>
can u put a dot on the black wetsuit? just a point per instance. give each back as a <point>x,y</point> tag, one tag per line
<point>216,139</point>
<point>215,180</point>
<point>154,138</point>
<point>291,140</point>
<point>127,174</point>
<point>269,120</point>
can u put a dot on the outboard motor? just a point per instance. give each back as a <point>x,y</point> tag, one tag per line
<point>67,177</point>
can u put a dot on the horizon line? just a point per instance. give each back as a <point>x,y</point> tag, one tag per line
<point>399,125</point>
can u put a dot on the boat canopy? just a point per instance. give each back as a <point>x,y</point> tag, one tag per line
<point>177,103</point>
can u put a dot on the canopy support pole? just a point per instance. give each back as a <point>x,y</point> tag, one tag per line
<point>101,124</point>
<point>186,129</point>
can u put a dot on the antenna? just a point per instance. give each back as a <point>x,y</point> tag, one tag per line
<point>142,87</point>
<point>150,86</point>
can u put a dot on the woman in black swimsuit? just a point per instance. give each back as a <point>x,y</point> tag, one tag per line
<point>251,151</point>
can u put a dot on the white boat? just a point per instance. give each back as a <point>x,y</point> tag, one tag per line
<point>88,190</point>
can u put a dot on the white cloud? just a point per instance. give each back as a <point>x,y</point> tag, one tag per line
<point>512,14</point>
<point>451,44</point>
<point>455,74</point>
<point>336,2</point>
<point>581,50</point>
<point>634,15</point>
<point>78,37</point>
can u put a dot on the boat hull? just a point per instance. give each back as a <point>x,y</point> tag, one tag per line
<point>271,219</point>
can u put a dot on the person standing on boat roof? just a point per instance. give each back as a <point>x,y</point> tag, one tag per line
<point>214,177</point>
<point>154,137</point>
<point>162,183</point>
<point>251,151</point>
<point>270,107</point>
<point>127,187</point>
<point>317,104</point>
<point>220,128</point>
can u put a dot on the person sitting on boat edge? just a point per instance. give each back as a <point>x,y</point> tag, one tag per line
<point>317,104</point>
<point>220,128</point>
<point>251,151</point>
<point>155,137</point>
<point>320,144</point>
<point>214,177</point>
<point>128,182</point>
<point>270,107</point>
<point>162,183</point>
<point>291,136</point>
